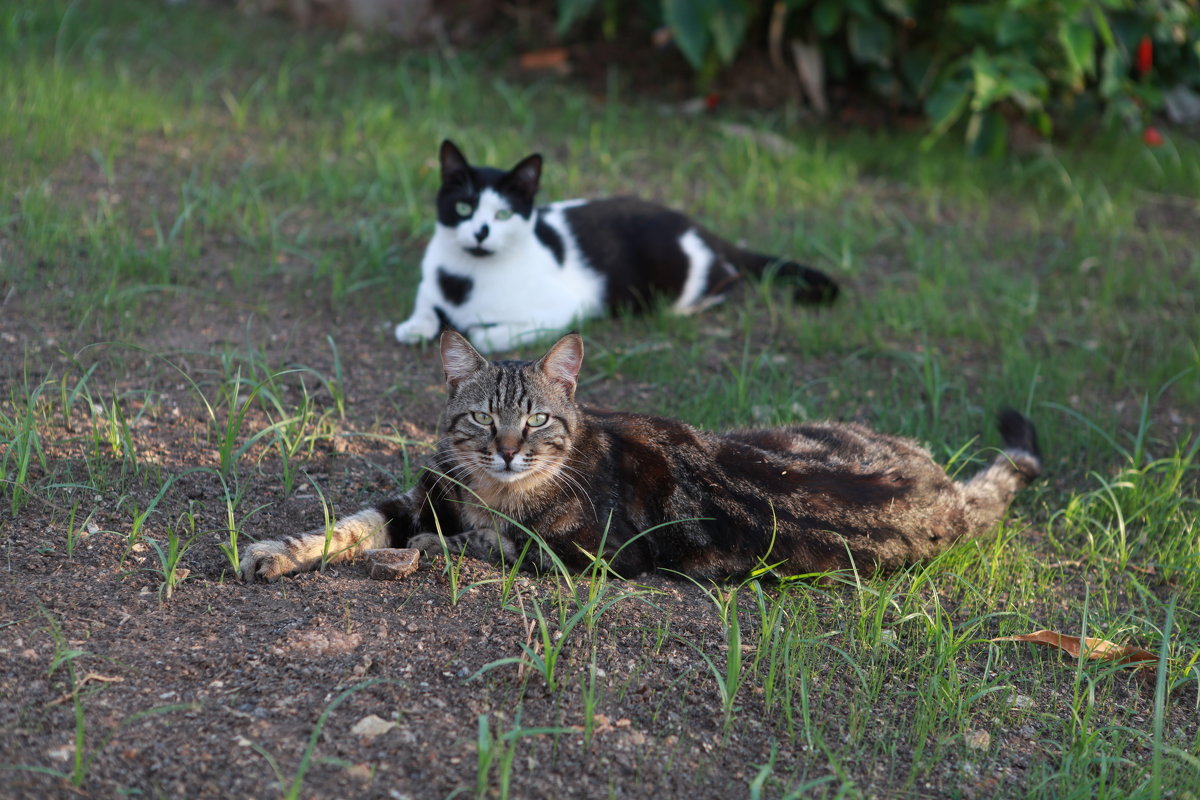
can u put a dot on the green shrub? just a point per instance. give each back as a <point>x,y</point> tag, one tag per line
<point>980,65</point>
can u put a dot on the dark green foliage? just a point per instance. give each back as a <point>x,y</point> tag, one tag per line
<point>982,65</point>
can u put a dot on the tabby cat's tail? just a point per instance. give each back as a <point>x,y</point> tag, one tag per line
<point>989,492</point>
<point>809,285</point>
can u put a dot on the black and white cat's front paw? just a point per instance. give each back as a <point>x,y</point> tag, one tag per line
<point>415,331</point>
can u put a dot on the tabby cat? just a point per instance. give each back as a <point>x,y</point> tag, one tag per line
<point>650,493</point>
<point>504,271</point>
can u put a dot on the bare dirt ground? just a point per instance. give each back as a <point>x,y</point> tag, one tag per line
<point>249,669</point>
<point>256,665</point>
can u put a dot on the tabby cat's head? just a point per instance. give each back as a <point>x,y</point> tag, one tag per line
<point>509,421</point>
<point>487,209</point>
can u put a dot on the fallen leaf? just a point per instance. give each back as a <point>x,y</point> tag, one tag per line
<point>371,726</point>
<point>553,58</point>
<point>84,681</point>
<point>1097,649</point>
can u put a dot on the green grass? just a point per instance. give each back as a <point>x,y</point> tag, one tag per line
<point>157,158</point>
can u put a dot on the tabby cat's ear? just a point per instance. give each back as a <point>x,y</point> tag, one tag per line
<point>459,359</point>
<point>562,363</point>
<point>454,163</point>
<point>524,177</point>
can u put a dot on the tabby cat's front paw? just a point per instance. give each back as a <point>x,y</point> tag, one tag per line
<point>415,331</point>
<point>428,543</point>
<point>266,561</point>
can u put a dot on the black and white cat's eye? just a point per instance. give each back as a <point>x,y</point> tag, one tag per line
<point>463,209</point>
<point>537,420</point>
<point>481,417</point>
<point>503,214</point>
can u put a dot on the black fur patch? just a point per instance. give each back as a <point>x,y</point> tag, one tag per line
<point>635,245</point>
<point>1018,431</point>
<point>444,321</point>
<point>550,239</point>
<point>455,288</point>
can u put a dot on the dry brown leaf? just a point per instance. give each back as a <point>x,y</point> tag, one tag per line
<point>551,59</point>
<point>84,681</point>
<point>1099,649</point>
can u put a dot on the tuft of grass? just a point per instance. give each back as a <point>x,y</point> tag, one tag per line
<point>291,789</point>
<point>168,558</point>
<point>21,438</point>
<point>83,756</point>
<point>496,752</point>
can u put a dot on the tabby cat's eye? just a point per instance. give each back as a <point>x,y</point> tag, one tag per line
<point>463,209</point>
<point>503,214</point>
<point>537,420</point>
<point>482,417</point>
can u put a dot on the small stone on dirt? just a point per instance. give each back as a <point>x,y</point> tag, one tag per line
<point>978,740</point>
<point>62,753</point>
<point>362,772</point>
<point>392,564</point>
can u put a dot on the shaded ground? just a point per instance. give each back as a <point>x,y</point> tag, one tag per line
<point>257,665</point>
<point>260,663</point>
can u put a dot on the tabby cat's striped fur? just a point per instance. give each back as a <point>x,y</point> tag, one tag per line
<point>651,493</point>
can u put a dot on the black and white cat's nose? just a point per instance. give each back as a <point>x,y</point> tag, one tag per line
<point>481,234</point>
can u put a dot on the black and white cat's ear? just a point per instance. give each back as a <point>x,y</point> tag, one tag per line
<point>454,163</point>
<point>459,359</point>
<point>562,363</point>
<point>525,176</point>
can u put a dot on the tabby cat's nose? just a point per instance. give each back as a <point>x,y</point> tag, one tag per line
<point>481,234</point>
<point>508,454</point>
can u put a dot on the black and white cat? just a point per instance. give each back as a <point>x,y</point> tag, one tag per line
<point>506,272</point>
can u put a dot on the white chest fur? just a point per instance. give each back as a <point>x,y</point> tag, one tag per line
<point>516,293</point>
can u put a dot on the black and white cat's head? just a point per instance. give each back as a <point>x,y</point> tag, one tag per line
<point>488,210</point>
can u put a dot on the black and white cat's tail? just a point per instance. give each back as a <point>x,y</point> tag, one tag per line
<point>808,285</point>
<point>1020,436</point>
<point>990,491</point>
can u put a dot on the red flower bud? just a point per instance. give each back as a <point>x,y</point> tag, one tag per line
<point>1145,55</point>
<point>711,101</point>
<point>1152,137</point>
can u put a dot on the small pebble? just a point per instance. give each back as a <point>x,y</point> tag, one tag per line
<point>391,564</point>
